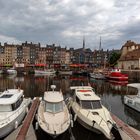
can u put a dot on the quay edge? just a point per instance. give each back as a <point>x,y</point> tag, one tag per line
<point>133,75</point>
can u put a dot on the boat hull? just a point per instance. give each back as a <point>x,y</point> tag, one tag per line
<point>11,71</point>
<point>129,101</point>
<point>117,78</point>
<point>85,125</point>
<point>52,135</point>
<point>44,72</point>
<point>5,130</point>
<point>65,72</point>
<point>92,128</point>
<point>97,76</point>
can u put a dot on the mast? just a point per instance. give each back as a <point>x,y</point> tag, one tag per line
<point>84,47</point>
<point>100,45</point>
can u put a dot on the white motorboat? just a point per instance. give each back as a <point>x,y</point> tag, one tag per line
<point>133,101</point>
<point>13,108</point>
<point>97,75</point>
<point>89,112</point>
<point>53,116</point>
<point>65,72</point>
<point>12,71</point>
<point>45,72</point>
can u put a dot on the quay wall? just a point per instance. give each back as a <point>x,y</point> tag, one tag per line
<point>133,75</point>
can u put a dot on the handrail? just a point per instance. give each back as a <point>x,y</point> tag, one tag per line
<point>15,113</point>
<point>101,119</point>
<point>43,121</point>
<point>65,122</point>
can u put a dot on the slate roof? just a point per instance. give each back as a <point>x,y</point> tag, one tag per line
<point>133,55</point>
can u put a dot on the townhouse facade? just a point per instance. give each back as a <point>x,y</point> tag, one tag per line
<point>30,54</point>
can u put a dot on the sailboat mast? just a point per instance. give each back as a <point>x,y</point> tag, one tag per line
<point>100,45</point>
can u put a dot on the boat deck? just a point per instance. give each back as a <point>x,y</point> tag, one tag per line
<point>131,96</point>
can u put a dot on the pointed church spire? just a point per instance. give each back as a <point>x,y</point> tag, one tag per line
<point>100,45</point>
<point>83,42</point>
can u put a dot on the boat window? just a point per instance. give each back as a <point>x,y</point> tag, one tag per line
<point>49,107</point>
<point>96,104</point>
<point>137,105</point>
<point>58,107</point>
<point>54,107</point>
<point>91,104</point>
<point>86,104</point>
<point>130,101</point>
<point>6,96</point>
<point>5,108</point>
<point>17,104</point>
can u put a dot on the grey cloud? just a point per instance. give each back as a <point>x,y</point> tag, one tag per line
<point>46,21</point>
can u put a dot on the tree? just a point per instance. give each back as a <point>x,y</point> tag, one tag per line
<point>114,58</point>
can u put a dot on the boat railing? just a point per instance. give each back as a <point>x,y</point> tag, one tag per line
<point>64,122</point>
<point>47,124</point>
<point>100,120</point>
<point>104,121</point>
<point>13,115</point>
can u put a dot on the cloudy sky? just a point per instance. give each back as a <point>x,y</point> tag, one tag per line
<point>65,22</point>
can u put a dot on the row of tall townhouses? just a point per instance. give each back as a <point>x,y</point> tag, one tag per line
<point>34,54</point>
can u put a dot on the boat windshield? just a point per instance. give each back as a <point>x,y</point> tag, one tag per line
<point>90,104</point>
<point>54,107</point>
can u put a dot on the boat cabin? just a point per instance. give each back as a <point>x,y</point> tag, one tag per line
<point>116,70</point>
<point>53,102</point>
<point>89,104</point>
<point>87,99</point>
<point>10,100</point>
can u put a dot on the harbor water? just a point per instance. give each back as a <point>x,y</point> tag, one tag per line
<point>110,92</point>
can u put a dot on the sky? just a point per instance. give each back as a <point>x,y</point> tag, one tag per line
<point>66,22</point>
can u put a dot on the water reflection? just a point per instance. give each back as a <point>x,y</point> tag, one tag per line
<point>110,93</point>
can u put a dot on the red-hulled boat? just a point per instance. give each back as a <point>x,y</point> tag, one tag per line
<point>116,74</point>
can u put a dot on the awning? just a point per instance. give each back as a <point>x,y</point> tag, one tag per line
<point>8,65</point>
<point>78,65</point>
<point>40,65</point>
